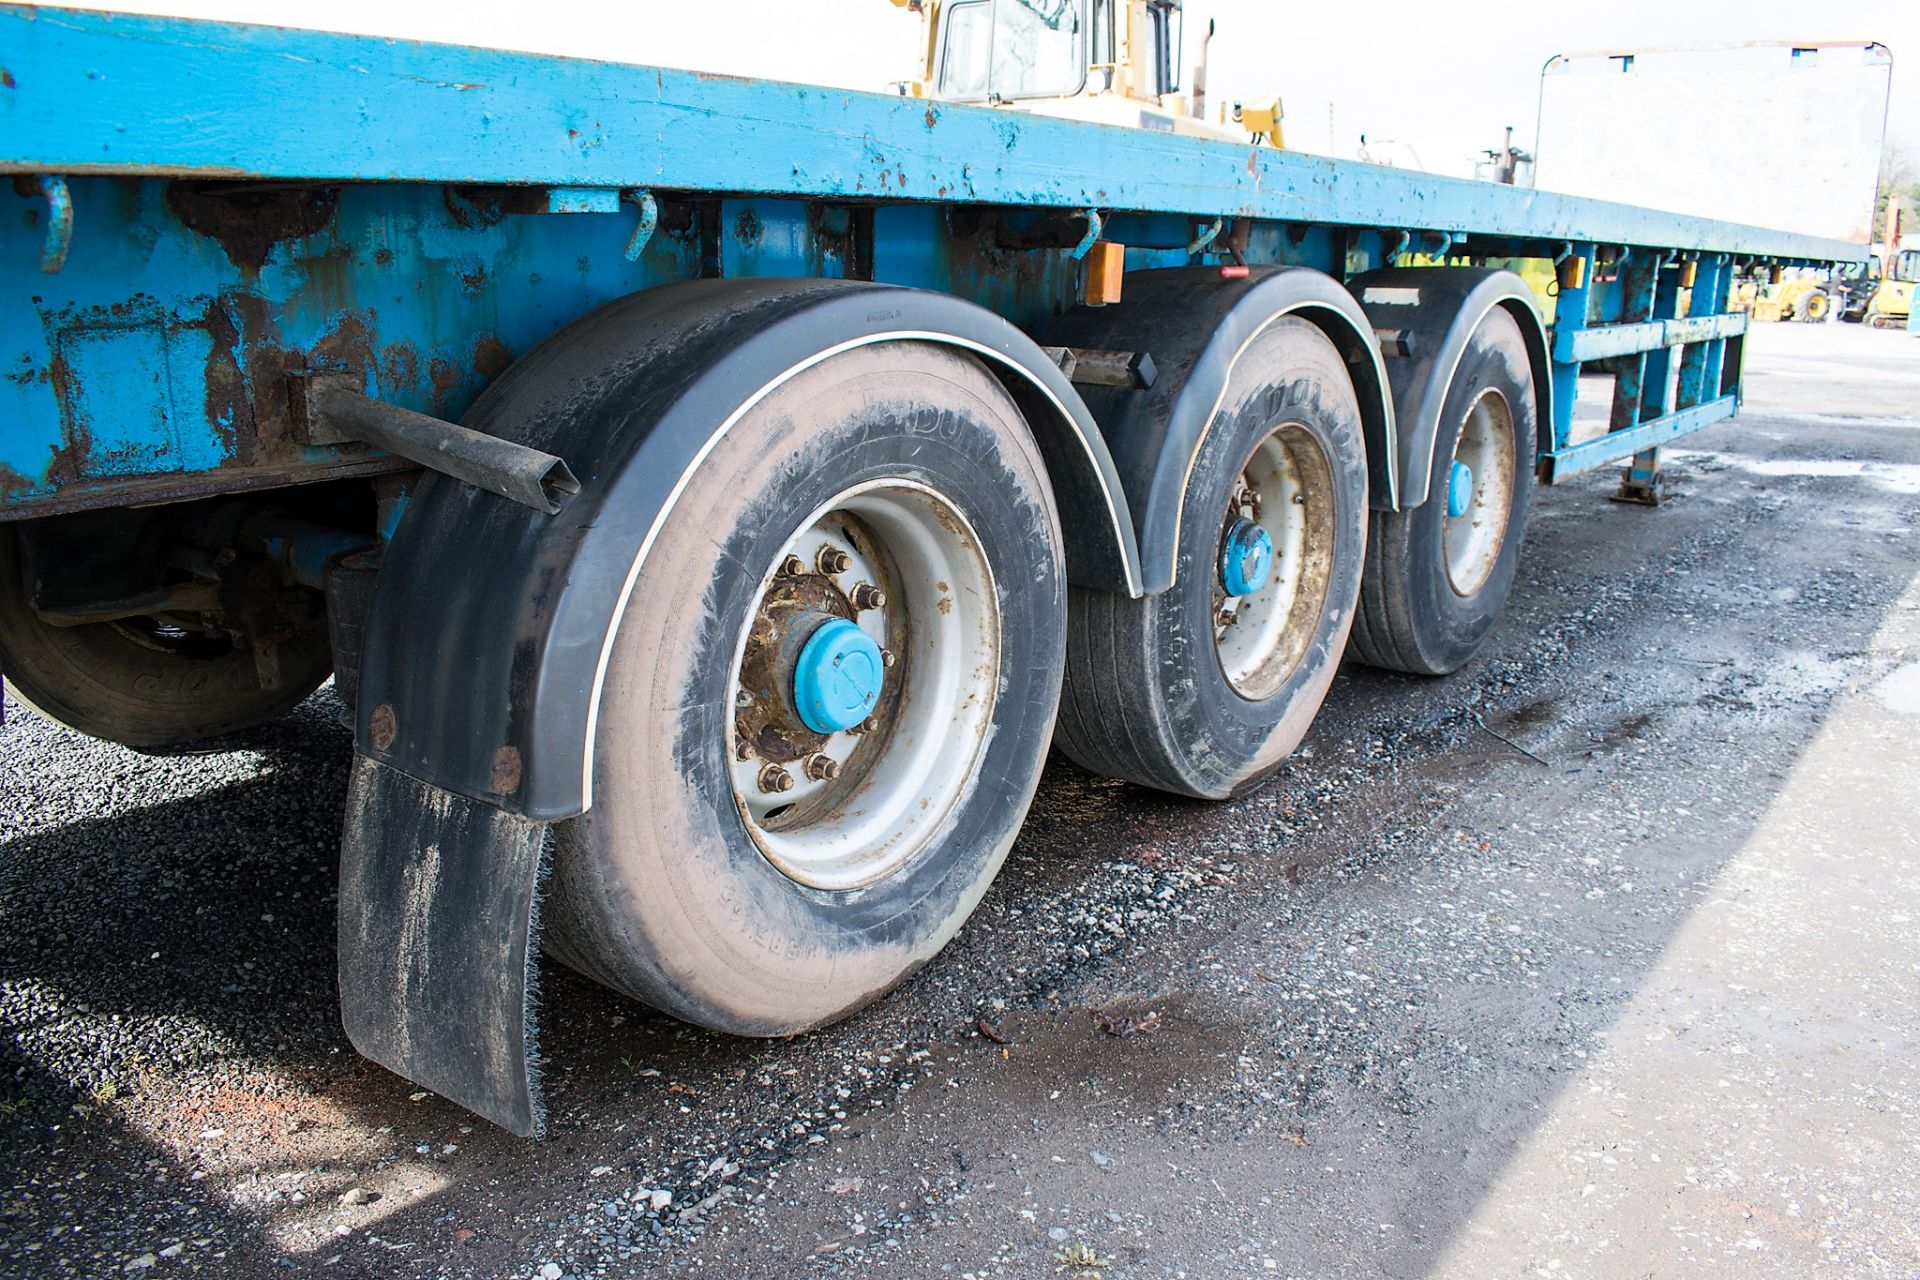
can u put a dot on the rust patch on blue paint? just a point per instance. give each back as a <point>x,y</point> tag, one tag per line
<point>747,229</point>
<point>399,367</point>
<point>226,385</point>
<point>248,221</point>
<point>444,374</point>
<point>491,357</point>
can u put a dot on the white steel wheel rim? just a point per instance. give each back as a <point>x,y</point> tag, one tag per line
<point>905,772</point>
<point>1472,540</point>
<point>1286,488</point>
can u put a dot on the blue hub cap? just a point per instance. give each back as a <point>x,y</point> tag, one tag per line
<point>1246,558</point>
<point>837,679</point>
<point>1459,490</point>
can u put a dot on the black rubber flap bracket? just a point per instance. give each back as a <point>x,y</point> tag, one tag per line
<point>437,956</point>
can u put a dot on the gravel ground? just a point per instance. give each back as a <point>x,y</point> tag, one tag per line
<point>1594,959</point>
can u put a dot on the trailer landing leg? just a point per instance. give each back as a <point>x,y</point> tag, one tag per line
<point>1643,482</point>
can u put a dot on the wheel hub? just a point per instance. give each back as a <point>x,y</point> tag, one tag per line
<point>1479,498</point>
<point>838,676</point>
<point>864,688</point>
<point>778,676</point>
<point>1275,558</point>
<point>1246,558</point>
<point>1459,490</point>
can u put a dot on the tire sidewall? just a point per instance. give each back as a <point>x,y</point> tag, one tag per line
<point>722,936</point>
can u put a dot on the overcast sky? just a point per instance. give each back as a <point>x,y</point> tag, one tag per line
<point>1439,81</point>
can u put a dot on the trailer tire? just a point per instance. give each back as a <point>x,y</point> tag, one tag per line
<point>1158,691</point>
<point>1435,586</point>
<point>137,682</point>
<point>766,912</point>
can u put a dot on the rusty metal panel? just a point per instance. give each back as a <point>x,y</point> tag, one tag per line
<point>154,364</point>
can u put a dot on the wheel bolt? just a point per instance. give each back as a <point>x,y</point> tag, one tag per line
<point>792,567</point>
<point>821,767</point>
<point>774,778</point>
<point>832,560</point>
<point>742,749</point>
<point>888,657</point>
<point>866,596</point>
<point>868,725</point>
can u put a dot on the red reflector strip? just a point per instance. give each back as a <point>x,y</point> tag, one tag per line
<point>1231,272</point>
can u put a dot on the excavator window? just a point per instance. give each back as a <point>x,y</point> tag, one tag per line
<point>1162,18</point>
<point>999,50</point>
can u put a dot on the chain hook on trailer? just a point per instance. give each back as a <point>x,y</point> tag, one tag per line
<point>1206,237</point>
<point>1094,227</point>
<point>1400,246</point>
<point>1446,239</point>
<point>649,219</point>
<point>52,189</point>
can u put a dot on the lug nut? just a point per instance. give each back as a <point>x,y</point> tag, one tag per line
<point>832,560</point>
<point>888,657</point>
<point>866,596</point>
<point>773,778</point>
<point>821,767</point>
<point>742,749</point>
<point>792,567</point>
<point>869,725</point>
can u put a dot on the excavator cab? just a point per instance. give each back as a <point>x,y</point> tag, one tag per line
<point>1109,61</point>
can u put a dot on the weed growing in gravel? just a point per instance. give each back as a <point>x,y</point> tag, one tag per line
<point>1078,1256</point>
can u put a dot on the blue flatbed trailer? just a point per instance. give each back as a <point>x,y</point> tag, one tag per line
<point>251,277</point>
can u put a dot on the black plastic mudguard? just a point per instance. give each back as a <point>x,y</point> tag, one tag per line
<point>1432,312</point>
<point>437,958</point>
<point>1194,322</point>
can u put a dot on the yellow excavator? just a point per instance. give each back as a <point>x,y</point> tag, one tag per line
<point>1881,295</point>
<point>1809,296</point>
<point>1107,61</point>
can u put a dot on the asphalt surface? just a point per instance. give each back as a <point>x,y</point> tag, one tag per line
<point>1600,958</point>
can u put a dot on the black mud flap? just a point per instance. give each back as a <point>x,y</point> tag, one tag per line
<point>437,953</point>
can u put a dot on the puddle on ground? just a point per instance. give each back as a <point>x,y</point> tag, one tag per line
<point>1895,477</point>
<point>1545,711</point>
<point>1901,691</point>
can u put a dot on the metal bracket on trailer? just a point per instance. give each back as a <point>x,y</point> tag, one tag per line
<point>331,409</point>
